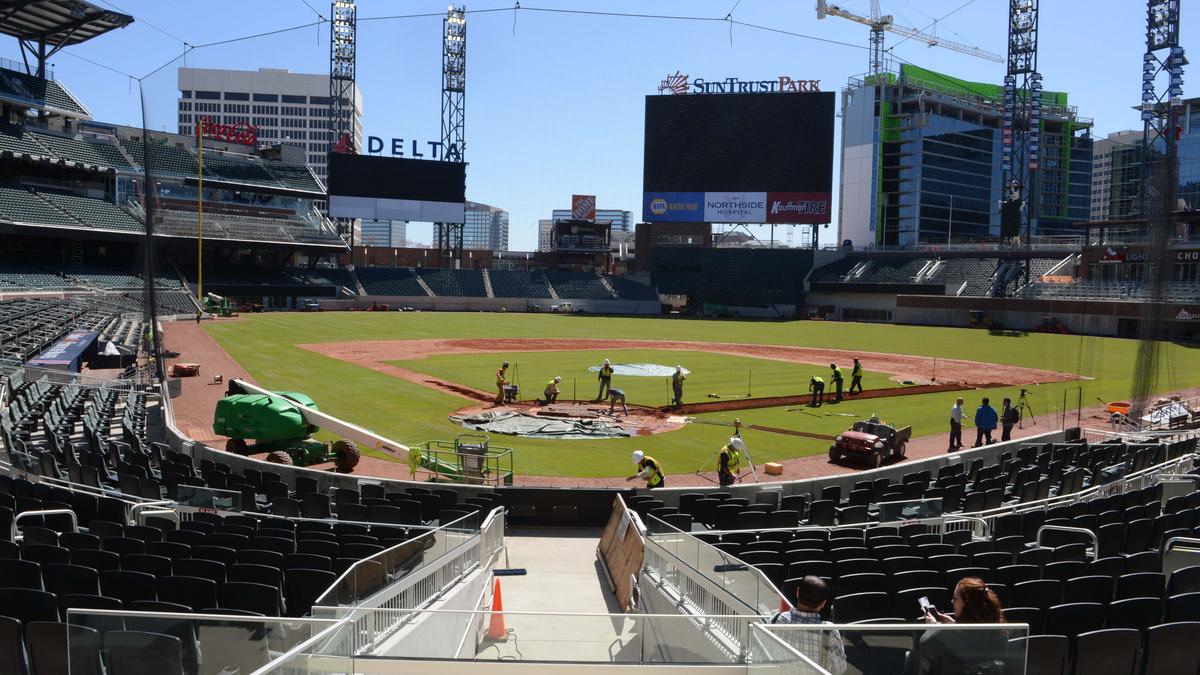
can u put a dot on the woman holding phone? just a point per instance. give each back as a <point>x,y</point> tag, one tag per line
<point>951,652</point>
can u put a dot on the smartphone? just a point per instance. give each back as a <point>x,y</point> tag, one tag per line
<point>926,607</point>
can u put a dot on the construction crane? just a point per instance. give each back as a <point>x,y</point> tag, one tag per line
<point>879,23</point>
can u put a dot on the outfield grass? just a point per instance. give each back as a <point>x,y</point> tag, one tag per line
<point>726,375</point>
<point>408,412</point>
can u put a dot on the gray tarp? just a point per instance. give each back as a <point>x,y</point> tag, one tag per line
<point>532,426</point>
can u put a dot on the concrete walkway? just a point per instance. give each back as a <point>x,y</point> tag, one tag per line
<point>564,577</point>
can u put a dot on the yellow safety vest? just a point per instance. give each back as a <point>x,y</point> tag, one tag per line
<point>857,372</point>
<point>655,477</point>
<point>414,459</point>
<point>837,374</point>
<point>500,377</point>
<point>606,371</point>
<point>735,459</point>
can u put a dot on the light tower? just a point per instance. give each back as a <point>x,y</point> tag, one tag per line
<point>343,40</point>
<point>1162,102</point>
<point>1021,140</point>
<point>454,118</point>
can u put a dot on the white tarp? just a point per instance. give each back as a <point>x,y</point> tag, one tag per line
<point>641,370</point>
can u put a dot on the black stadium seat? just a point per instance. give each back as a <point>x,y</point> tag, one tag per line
<point>1106,651</point>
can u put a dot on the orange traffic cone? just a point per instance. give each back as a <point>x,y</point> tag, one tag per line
<point>496,629</point>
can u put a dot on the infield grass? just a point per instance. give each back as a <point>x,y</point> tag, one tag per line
<point>727,376</point>
<point>266,345</point>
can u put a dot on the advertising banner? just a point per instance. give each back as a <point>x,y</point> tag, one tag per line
<point>673,207</point>
<point>735,207</point>
<point>583,207</point>
<point>798,207</point>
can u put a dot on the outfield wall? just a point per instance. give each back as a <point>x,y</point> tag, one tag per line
<point>1089,317</point>
<point>470,304</point>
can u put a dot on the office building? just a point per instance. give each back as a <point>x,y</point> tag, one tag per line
<point>1124,170</point>
<point>286,108</point>
<point>921,161</point>
<point>1104,152</point>
<point>384,233</point>
<point>485,228</point>
<point>621,221</point>
<point>545,236</point>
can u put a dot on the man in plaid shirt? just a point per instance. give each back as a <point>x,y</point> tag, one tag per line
<point>824,647</point>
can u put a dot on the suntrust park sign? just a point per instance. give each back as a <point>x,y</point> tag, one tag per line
<point>680,83</point>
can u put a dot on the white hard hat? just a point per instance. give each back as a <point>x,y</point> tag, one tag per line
<point>737,444</point>
<point>678,367</point>
<point>637,456</point>
<point>605,361</point>
<point>504,365</point>
<point>557,378</point>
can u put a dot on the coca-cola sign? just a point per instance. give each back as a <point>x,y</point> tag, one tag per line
<point>798,207</point>
<point>241,132</point>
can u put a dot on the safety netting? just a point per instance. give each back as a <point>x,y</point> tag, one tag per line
<point>641,370</point>
<point>533,426</point>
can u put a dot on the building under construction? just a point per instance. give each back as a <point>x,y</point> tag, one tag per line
<point>921,161</point>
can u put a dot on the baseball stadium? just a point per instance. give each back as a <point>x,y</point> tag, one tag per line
<point>914,388</point>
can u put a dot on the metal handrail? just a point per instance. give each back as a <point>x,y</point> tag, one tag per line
<point>984,528</point>
<point>46,512</point>
<point>133,511</point>
<point>762,578</point>
<point>1071,530</point>
<point>353,570</point>
<point>1167,545</point>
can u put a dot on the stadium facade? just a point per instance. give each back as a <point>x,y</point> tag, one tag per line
<point>921,161</point>
<point>288,108</point>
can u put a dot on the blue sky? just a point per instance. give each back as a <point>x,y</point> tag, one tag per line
<point>555,100</point>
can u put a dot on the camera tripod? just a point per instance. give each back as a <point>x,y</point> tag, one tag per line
<point>737,425</point>
<point>1023,407</point>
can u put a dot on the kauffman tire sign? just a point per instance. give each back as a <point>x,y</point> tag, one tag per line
<point>798,207</point>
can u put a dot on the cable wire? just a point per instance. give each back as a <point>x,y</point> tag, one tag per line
<point>143,20</point>
<point>934,23</point>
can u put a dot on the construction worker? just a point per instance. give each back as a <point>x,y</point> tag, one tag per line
<point>551,392</point>
<point>605,377</point>
<point>615,395</point>
<point>501,380</point>
<point>856,376</point>
<point>649,470</point>
<point>837,382</point>
<point>677,385</point>
<point>729,461</point>
<point>817,386</point>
